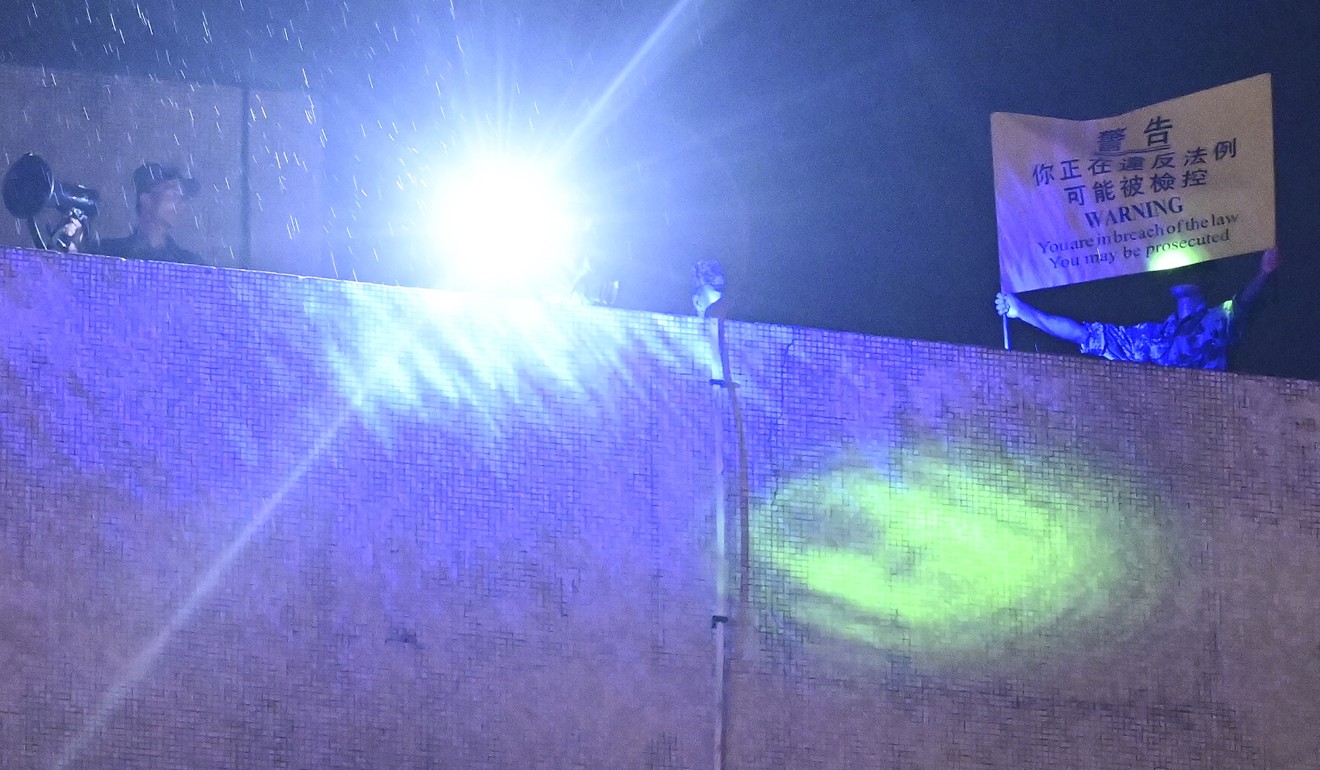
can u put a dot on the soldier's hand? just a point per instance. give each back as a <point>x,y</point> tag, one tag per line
<point>1006,304</point>
<point>1269,261</point>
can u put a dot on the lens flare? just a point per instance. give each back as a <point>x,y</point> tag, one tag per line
<point>508,226</point>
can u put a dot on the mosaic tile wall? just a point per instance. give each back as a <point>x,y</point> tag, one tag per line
<point>964,558</point>
<point>253,520</point>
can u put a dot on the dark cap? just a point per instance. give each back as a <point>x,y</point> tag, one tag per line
<point>149,175</point>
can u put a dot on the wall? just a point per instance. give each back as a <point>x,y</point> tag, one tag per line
<point>256,520</point>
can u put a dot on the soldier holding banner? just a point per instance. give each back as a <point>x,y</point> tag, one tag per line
<point>1196,335</point>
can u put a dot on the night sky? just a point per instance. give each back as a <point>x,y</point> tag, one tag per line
<point>835,156</point>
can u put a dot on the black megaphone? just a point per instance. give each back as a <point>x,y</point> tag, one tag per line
<point>30,186</point>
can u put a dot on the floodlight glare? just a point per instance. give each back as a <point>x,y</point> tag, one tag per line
<point>1170,259</point>
<point>508,226</point>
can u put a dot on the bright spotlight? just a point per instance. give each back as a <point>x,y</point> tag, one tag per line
<point>1169,259</point>
<point>509,227</point>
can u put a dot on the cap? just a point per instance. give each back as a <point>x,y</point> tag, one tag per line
<point>149,175</point>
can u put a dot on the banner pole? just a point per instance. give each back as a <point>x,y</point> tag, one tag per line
<point>1007,344</point>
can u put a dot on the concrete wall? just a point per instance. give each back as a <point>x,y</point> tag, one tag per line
<point>250,520</point>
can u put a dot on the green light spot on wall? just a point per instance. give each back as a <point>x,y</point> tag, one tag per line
<point>955,557</point>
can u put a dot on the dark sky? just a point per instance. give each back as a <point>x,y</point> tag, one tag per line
<point>836,156</point>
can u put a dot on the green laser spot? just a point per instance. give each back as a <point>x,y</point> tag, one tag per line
<point>951,559</point>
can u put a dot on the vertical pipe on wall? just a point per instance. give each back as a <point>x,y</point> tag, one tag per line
<point>741,640</point>
<point>720,612</point>
<point>726,394</point>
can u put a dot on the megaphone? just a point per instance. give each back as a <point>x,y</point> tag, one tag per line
<point>30,186</point>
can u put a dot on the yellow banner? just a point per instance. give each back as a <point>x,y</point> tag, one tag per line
<point>1173,184</point>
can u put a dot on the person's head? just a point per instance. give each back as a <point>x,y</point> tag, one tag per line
<point>161,191</point>
<point>1189,298</point>
<point>707,284</point>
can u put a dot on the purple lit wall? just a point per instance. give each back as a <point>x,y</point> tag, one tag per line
<point>251,520</point>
